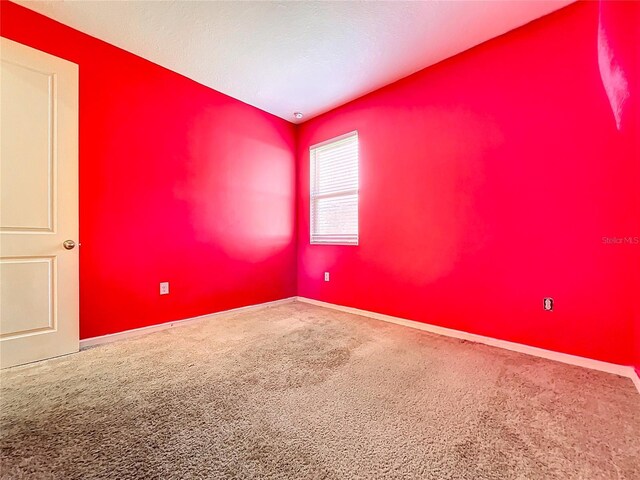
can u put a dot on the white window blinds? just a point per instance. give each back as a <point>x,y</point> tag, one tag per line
<point>334,191</point>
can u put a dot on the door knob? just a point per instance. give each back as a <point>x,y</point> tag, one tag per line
<point>69,244</point>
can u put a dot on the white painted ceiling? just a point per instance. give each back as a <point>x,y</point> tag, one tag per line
<point>305,56</point>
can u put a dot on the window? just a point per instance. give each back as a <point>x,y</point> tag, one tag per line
<point>334,191</point>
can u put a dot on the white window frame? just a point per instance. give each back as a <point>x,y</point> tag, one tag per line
<point>338,239</point>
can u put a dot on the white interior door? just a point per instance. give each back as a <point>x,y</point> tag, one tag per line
<point>38,205</point>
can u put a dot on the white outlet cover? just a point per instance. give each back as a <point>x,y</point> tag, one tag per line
<point>164,288</point>
<point>326,276</point>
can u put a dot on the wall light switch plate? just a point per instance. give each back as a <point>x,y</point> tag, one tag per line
<point>164,288</point>
<point>547,304</point>
<point>326,276</point>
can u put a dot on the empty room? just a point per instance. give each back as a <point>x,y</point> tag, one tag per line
<point>320,240</point>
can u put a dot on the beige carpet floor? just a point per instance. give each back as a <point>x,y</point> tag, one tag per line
<point>301,392</point>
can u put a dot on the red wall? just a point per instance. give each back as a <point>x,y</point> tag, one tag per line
<point>178,183</point>
<point>487,183</point>
<point>619,59</point>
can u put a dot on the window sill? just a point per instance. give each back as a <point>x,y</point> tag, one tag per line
<point>345,244</point>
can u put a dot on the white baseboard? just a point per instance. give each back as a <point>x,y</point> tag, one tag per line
<point>622,370</point>
<point>114,337</point>
<point>613,368</point>
<point>635,378</point>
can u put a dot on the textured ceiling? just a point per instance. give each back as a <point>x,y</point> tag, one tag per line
<point>285,57</point>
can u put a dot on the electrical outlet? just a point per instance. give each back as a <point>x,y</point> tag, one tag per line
<point>326,276</point>
<point>547,304</point>
<point>164,288</point>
